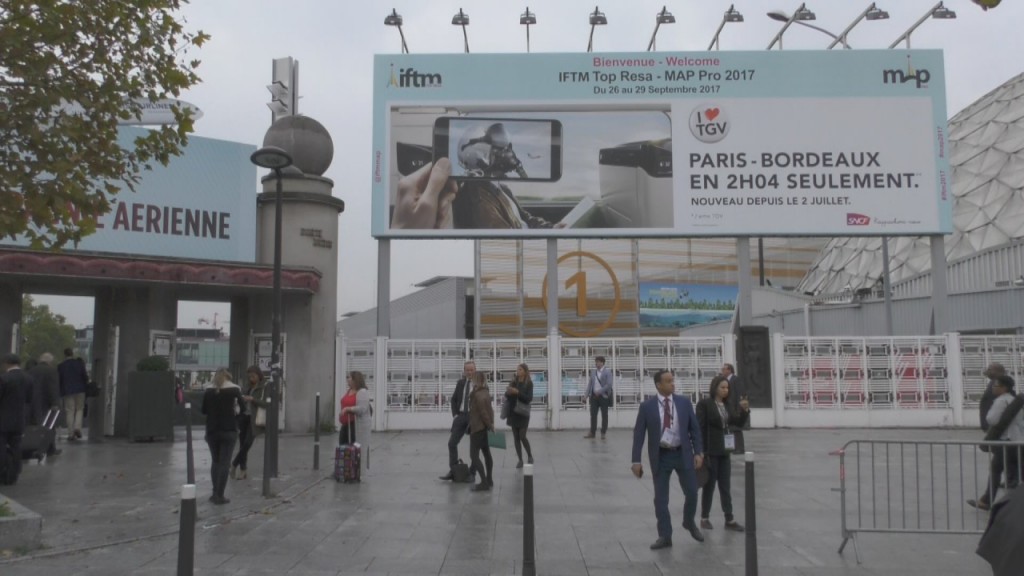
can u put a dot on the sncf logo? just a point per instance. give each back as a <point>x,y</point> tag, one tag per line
<point>857,219</point>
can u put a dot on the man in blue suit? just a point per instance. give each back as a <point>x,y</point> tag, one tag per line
<point>673,443</point>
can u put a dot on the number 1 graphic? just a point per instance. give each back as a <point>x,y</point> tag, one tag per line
<point>580,280</point>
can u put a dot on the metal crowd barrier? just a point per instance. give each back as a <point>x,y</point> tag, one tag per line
<point>919,487</point>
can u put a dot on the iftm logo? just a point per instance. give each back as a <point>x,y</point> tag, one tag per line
<point>897,76</point>
<point>410,78</point>
<point>708,123</point>
<point>853,219</point>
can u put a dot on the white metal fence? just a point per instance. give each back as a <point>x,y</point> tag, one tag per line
<point>892,381</point>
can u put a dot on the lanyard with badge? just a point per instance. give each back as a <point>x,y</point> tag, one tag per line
<point>730,438</point>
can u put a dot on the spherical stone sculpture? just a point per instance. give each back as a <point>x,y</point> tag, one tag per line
<point>307,141</point>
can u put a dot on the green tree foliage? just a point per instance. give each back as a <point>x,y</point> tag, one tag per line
<point>70,70</point>
<point>43,331</point>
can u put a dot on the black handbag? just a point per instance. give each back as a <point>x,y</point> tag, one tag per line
<point>522,408</point>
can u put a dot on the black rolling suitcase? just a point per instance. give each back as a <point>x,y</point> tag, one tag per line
<point>36,439</point>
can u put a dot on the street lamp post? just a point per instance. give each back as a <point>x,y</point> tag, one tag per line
<point>731,15</point>
<point>462,19</point>
<point>663,17</point>
<point>801,14</point>
<point>395,19</point>
<point>597,18</point>
<point>275,159</point>
<point>528,19</point>
<point>800,17</point>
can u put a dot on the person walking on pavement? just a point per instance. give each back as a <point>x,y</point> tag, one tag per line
<point>355,418</point>
<point>248,428</point>
<point>1008,458</point>
<point>15,393</point>
<point>996,465</point>
<point>460,417</point>
<point>599,395</point>
<point>717,420</point>
<point>221,404</point>
<point>737,393</point>
<point>46,394</point>
<point>481,420</point>
<point>73,380</point>
<point>674,443</point>
<point>518,393</point>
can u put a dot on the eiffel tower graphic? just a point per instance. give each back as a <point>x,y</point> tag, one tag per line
<point>911,72</point>
<point>394,79</point>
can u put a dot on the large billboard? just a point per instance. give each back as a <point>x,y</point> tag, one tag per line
<point>202,205</point>
<point>660,144</point>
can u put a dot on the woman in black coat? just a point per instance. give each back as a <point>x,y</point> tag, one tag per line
<point>716,418</point>
<point>520,391</point>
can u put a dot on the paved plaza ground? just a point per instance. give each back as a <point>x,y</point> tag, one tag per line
<point>112,509</point>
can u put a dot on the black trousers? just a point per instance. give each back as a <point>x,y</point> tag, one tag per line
<point>12,440</point>
<point>995,475</point>
<point>477,444</point>
<point>460,427</point>
<point>519,437</point>
<point>246,437</point>
<point>598,403</point>
<point>221,445</point>
<point>720,474</point>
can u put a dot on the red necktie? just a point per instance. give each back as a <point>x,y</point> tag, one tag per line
<point>666,422</point>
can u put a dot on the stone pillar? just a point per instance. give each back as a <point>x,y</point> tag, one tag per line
<point>309,239</point>
<point>137,310</point>
<point>101,364</point>
<point>10,314</point>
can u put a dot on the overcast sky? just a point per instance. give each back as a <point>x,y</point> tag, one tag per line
<point>335,43</point>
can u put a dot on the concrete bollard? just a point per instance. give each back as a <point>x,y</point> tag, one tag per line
<point>190,464</point>
<point>316,435</point>
<point>529,548</point>
<point>751,516</point>
<point>187,531</point>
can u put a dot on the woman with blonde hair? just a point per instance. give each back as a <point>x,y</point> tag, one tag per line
<point>250,423</point>
<point>355,417</point>
<point>519,395</point>
<point>221,404</point>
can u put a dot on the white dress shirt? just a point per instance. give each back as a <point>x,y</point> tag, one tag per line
<point>671,437</point>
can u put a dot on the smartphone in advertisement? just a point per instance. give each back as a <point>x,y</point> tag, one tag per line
<point>500,148</point>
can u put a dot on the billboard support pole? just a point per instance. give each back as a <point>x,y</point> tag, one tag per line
<point>383,287</point>
<point>887,285</point>
<point>940,290</point>
<point>746,298</point>
<point>552,286</point>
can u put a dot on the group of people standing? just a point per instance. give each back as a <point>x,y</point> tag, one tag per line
<point>233,416</point>
<point>29,394</point>
<point>473,413</point>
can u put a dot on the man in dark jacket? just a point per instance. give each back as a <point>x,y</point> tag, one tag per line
<point>996,467</point>
<point>73,381</point>
<point>460,416</point>
<point>15,394</point>
<point>46,394</point>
